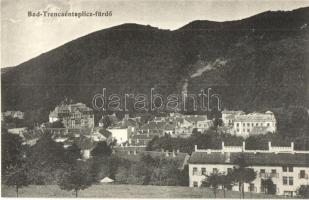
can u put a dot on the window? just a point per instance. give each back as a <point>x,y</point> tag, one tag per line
<point>262,171</point>
<point>257,124</point>
<point>215,170</point>
<point>267,124</point>
<point>285,180</point>
<point>291,181</point>
<point>284,168</point>
<point>237,124</point>
<point>251,187</point>
<point>302,174</point>
<point>244,124</point>
<point>273,171</point>
<point>248,130</point>
<point>237,130</point>
<point>194,171</point>
<point>248,124</point>
<point>290,168</point>
<point>195,184</point>
<point>203,171</point>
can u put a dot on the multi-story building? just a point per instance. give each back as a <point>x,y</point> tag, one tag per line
<point>241,124</point>
<point>254,123</point>
<point>73,115</point>
<point>286,167</point>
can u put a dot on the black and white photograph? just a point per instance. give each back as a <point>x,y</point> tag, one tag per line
<point>172,99</point>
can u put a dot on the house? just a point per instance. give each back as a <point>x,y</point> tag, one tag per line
<point>73,115</point>
<point>287,167</point>
<point>122,130</point>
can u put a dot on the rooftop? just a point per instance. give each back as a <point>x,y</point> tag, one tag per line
<point>280,159</point>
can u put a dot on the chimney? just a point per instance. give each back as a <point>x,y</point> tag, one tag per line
<point>166,153</point>
<point>269,145</point>
<point>222,145</point>
<point>129,152</point>
<point>177,151</point>
<point>243,146</point>
<point>292,146</point>
<point>195,147</point>
<point>134,152</point>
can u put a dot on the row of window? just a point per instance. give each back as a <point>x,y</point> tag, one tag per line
<point>302,173</point>
<point>252,124</point>
<point>203,171</point>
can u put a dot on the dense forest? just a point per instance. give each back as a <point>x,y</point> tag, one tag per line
<point>254,64</point>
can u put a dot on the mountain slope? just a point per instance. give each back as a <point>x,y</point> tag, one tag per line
<point>265,63</point>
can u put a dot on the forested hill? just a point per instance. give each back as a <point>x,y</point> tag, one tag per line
<point>256,63</point>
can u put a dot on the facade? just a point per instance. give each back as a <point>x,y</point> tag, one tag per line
<point>254,124</point>
<point>73,115</point>
<point>286,167</point>
<point>241,124</point>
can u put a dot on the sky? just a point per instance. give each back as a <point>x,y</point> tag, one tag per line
<point>24,37</point>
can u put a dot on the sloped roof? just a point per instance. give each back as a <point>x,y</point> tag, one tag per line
<point>255,159</point>
<point>196,118</point>
<point>255,117</point>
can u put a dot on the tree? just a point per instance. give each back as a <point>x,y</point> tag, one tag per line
<point>56,124</point>
<point>47,161</point>
<point>73,153</point>
<point>76,178</point>
<point>242,174</point>
<point>303,191</point>
<point>17,178</point>
<point>217,122</point>
<point>213,180</point>
<point>269,186</point>
<point>11,151</point>
<point>226,181</point>
<point>101,150</point>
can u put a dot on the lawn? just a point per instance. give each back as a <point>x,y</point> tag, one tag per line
<point>126,191</point>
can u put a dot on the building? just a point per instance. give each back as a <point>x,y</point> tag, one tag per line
<point>73,115</point>
<point>287,168</point>
<point>254,124</point>
<point>229,115</point>
<point>122,130</point>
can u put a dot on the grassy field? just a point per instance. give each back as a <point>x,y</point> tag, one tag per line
<point>126,191</point>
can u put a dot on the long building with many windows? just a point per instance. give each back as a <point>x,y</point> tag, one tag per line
<point>286,167</point>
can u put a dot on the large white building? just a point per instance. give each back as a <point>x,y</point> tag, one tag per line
<point>287,168</point>
<point>244,125</point>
